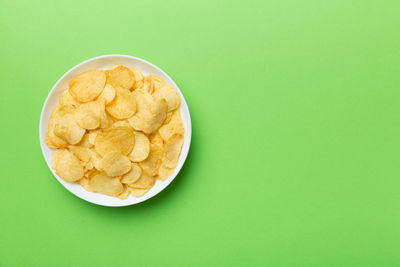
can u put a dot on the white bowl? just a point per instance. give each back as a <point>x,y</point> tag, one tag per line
<point>104,62</point>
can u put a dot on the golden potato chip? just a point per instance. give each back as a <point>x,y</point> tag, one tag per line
<point>157,81</point>
<point>87,115</point>
<point>159,113</point>
<point>115,164</point>
<point>67,166</point>
<point>164,172</point>
<point>123,106</point>
<point>120,77</point>
<point>172,149</point>
<point>150,117</point>
<point>137,73</point>
<point>54,140</point>
<point>88,166</point>
<point>170,95</point>
<point>95,159</point>
<point>120,139</point>
<point>133,175</point>
<point>138,78</point>
<point>92,136</point>
<point>148,85</point>
<point>108,94</point>
<point>123,123</point>
<point>151,164</point>
<point>66,109</point>
<point>65,126</point>
<point>137,192</point>
<point>54,157</point>
<point>48,141</point>
<point>173,127</point>
<point>141,149</point>
<point>105,120</point>
<point>84,182</point>
<point>85,141</point>
<point>88,85</point>
<point>124,194</point>
<point>67,99</point>
<point>143,102</point>
<point>82,153</point>
<point>168,118</point>
<point>102,183</point>
<point>90,173</point>
<point>144,182</point>
<point>138,85</point>
<point>155,138</point>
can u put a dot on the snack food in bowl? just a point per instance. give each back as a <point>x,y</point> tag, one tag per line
<point>116,131</point>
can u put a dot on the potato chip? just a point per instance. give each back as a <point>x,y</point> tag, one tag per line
<point>105,120</point>
<point>102,183</point>
<point>67,166</point>
<point>82,153</point>
<point>84,182</point>
<point>137,73</point>
<point>87,115</point>
<point>173,127</point>
<point>88,166</point>
<point>90,173</point>
<point>172,149</point>
<point>124,194</point>
<point>133,175</point>
<point>150,117</point>
<point>85,141</point>
<point>95,159</point>
<point>155,138</point>
<point>141,149</point>
<point>144,182</point>
<point>48,141</point>
<point>164,172</point>
<point>170,95</point>
<point>137,192</point>
<point>92,136</point>
<point>120,77</point>
<point>138,85</point>
<point>123,123</point>
<point>66,128</point>
<point>120,139</point>
<point>88,85</point>
<point>123,106</point>
<point>115,164</point>
<point>67,99</point>
<point>148,85</point>
<point>54,157</point>
<point>159,113</point>
<point>157,81</point>
<point>108,94</point>
<point>143,101</point>
<point>168,118</point>
<point>151,164</point>
<point>54,140</point>
<point>138,78</point>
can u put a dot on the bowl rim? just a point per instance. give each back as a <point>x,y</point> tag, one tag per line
<point>188,133</point>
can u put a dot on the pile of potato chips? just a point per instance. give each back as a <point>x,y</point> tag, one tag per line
<point>115,132</point>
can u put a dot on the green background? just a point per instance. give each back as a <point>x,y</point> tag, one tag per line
<point>295,148</point>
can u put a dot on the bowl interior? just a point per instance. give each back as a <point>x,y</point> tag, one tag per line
<point>105,62</point>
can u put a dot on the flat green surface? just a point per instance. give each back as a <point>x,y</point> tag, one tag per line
<point>296,133</point>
